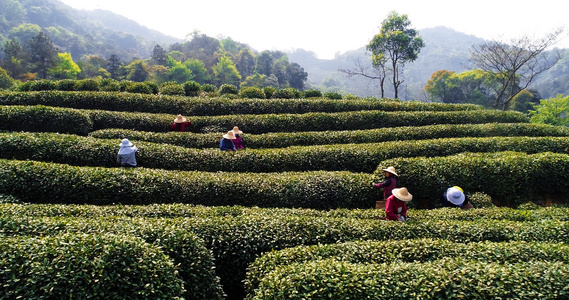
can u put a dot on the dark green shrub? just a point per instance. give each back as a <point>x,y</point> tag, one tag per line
<point>87,85</point>
<point>191,88</point>
<point>153,86</point>
<point>333,95</point>
<point>228,89</point>
<point>109,85</point>
<point>138,87</point>
<point>102,266</point>
<point>45,119</point>
<point>270,92</point>
<point>172,88</point>
<point>24,86</point>
<point>208,88</point>
<point>312,93</point>
<point>66,85</point>
<point>286,93</point>
<point>42,85</point>
<point>252,92</point>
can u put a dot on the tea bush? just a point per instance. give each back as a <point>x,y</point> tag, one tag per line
<point>309,138</point>
<point>443,279</point>
<point>148,102</point>
<point>510,178</point>
<point>49,183</point>
<point>86,151</point>
<point>96,266</point>
<point>399,251</point>
<point>45,119</point>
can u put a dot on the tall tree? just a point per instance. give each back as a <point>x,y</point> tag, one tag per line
<point>245,62</point>
<point>264,63</point>
<point>65,68</point>
<point>225,72</point>
<point>137,71</point>
<point>43,54</point>
<point>296,76</point>
<point>159,55</point>
<point>554,111</point>
<point>516,63</point>
<point>397,44</point>
<point>15,58</point>
<point>377,71</point>
<point>113,66</point>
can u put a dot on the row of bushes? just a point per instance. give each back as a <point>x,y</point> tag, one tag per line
<point>309,138</point>
<point>273,264</point>
<point>510,178</point>
<point>365,158</point>
<point>213,106</point>
<point>69,120</point>
<point>443,279</point>
<point>39,182</point>
<point>93,266</point>
<point>189,88</point>
<point>236,241</point>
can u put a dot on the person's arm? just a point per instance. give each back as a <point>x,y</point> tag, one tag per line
<point>387,182</point>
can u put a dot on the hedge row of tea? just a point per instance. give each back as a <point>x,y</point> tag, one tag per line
<point>211,106</point>
<point>86,266</point>
<point>443,279</point>
<point>77,121</point>
<point>86,151</point>
<point>237,236</point>
<point>510,178</point>
<point>309,138</point>
<point>353,260</point>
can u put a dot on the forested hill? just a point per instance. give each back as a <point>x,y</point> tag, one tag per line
<point>78,32</point>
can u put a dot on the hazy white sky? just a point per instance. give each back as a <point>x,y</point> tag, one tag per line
<point>329,27</point>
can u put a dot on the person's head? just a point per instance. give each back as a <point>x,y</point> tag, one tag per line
<point>180,119</point>
<point>236,130</point>
<point>229,135</point>
<point>125,143</point>
<point>390,171</point>
<point>455,195</point>
<point>402,194</point>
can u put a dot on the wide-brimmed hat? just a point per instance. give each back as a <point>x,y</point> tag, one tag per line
<point>179,119</point>
<point>455,196</point>
<point>229,135</point>
<point>402,194</point>
<point>125,143</point>
<point>390,170</point>
<point>236,130</point>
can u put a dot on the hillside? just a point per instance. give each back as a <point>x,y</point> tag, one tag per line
<point>79,32</point>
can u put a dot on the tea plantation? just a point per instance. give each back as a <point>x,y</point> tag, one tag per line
<point>291,216</point>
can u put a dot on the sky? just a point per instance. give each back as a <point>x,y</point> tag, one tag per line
<point>328,27</point>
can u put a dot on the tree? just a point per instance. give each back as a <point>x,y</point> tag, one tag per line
<point>113,66</point>
<point>516,63</point>
<point>554,111</point>
<point>245,62</point>
<point>65,68</point>
<point>198,70</point>
<point>137,71</point>
<point>225,72</point>
<point>5,80</point>
<point>440,85</point>
<point>15,58</point>
<point>43,54</point>
<point>159,55</point>
<point>396,44</point>
<point>377,72</point>
<point>264,63</point>
<point>296,76</point>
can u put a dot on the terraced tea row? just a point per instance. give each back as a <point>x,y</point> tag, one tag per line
<point>77,121</point>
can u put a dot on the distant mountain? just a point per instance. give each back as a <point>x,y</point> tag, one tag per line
<point>79,32</point>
